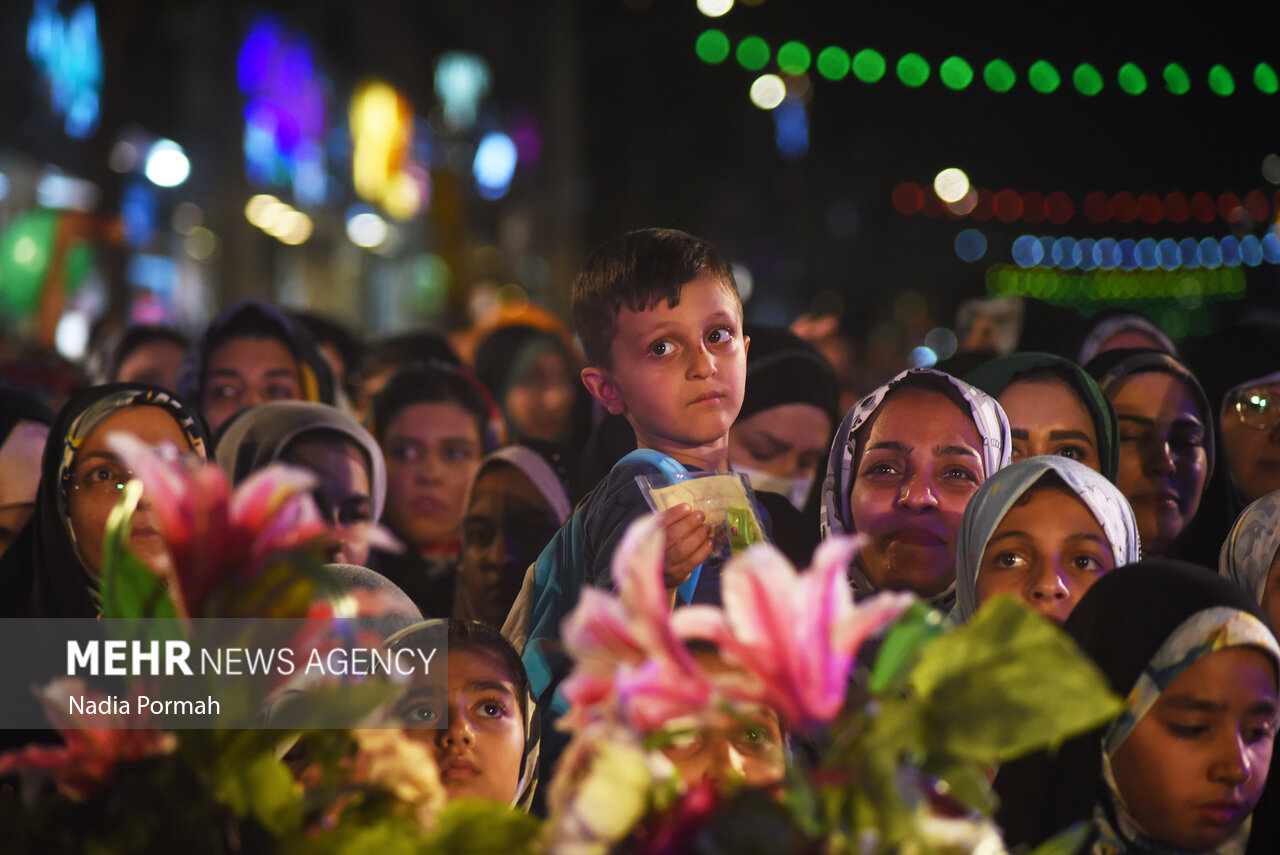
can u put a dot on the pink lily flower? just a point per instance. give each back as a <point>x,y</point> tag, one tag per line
<point>84,764</point>
<point>799,633</point>
<point>214,535</point>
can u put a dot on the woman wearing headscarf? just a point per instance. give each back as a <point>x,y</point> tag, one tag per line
<point>24,427</point>
<point>490,746</point>
<point>352,476</point>
<point>1125,330</point>
<point>1166,441</point>
<point>434,423</point>
<point>1249,554</point>
<point>513,509</point>
<point>903,465</point>
<point>1183,766</point>
<point>80,483</point>
<point>1054,407</point>
<point>250,354</point>
<point>1043,529</point>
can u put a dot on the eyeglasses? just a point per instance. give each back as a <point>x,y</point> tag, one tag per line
<point>1258,407</point>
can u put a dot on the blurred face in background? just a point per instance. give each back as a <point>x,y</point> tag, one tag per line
<point>155,362</point>
<point>1250,429</point>
<point>343,493</point>
<point>1046,416</point>
<point>20,457</point>
<point>433,452</point>
<point>539,399</point>
<point>245,372</point>
<point>780,449</point>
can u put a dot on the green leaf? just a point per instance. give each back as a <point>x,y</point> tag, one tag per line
<point>1069,842</point>
<point>129,588</point>
<point>1006,683</point>
<point>263,787</point>
<point>481,826</point>
<point>919,627</point>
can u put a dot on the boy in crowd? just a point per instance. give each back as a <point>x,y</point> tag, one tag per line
<point>660,319</point>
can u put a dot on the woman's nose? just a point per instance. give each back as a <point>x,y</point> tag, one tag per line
<point>917,492</point>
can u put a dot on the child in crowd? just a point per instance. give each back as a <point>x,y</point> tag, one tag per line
<point>1251,555</point>
<point>661,323</point>
<point>488,748</point>
<point>1183,766</point>
<point>1044,530</point>
<point>903,465</point>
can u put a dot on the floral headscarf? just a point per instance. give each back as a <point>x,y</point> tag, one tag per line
<point>1252,545</point>
<point>988,418</point>
<point>1202,633</point>
<point>1000,492</point>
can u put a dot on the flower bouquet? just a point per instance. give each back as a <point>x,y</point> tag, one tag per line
<point>255,552</point>
<point>874,751</point>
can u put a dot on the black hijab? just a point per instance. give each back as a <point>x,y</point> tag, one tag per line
<point>53,581</point>
<point>1120,623</point>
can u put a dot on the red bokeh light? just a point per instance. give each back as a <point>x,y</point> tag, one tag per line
<point>1176,209</point>
<point>933,206</point>
<point>1227,204</point>
<point>1097,207</point>
<point>908,198</point>
<point>1150,208</point>
<point>1256,204</point>
<point>1059,207</point>
<point>1202,208</point>
<point>986,208</point>
<point>1008,205</point>
<point>1033,204</point>
<point>1124,207</point>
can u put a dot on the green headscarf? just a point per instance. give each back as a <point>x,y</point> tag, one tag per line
<point>999,374</point>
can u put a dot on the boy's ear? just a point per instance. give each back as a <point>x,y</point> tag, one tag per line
<point>601,385</point>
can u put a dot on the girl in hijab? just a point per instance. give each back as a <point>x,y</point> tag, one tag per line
<point>1251,554</point>
<point>514,507</point>
<point>81,480</point>
<point>1044,530</point>
<point>250,354</point>
<point>1054,407</point>
<point>903,465</point>
<point>1166,440</point>
<point>352,474</point>
<point>1182,767</point>
<point>434,423</point>
<point>489,747</point>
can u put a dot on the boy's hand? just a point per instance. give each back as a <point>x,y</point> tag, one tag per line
<point>688,543</point>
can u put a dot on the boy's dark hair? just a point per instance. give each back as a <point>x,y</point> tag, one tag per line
<point>637,270</point>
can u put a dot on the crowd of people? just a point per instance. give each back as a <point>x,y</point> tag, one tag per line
<point>1107,488</point>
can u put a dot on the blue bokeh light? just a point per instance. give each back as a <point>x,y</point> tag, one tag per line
<point>495,164</point>
<point>1210,253</point>
<point>1027,251</point>
<point>1250,251</point>
<point>1230,251</point>
<point>971,245</point>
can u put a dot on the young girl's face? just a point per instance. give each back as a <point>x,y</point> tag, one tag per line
<point>919,463</point>
<point>1047,551</point>
<point>479,753</point>
<point>1195,765</point>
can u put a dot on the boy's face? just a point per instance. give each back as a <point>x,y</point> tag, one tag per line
<point>677,373</point>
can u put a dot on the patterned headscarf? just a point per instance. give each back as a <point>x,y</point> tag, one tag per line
<point>1251,546</point>
<point>994,499</point>
<point>988,418</point>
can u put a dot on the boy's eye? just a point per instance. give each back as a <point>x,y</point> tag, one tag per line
<point>660,348</point>
<point>720,335</point>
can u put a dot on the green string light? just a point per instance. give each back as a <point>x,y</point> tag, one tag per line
<point>999,76</point>
<point>1087,80</point>
<point>794,58</point>
<point>712,47</point>
<point>913,70</point>
<point>869,66</point>
<point>1043,77</point>
<point>834,63</point>
<point>1264,77</point>
<point>955,73</point>
<point>1131,79</point>
<point>1221,82</point>
<point>1176,79</point>
<point>753,53</point>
